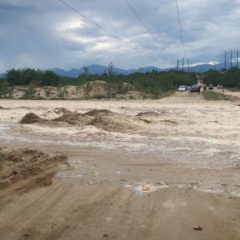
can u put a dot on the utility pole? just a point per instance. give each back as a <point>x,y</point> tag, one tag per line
<point>225,60</point>
<point>183,63</point>
<point>188,66</point>
<point>237,58</point>
<point>231,59</point>
<point>178,65</point>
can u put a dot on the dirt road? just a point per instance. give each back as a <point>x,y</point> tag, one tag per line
<point>176,170</point>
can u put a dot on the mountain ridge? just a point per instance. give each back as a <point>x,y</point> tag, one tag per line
<point>100,69</point>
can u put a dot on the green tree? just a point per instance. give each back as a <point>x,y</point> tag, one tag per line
<point>23,76</point>
<point>110,79</point>
<point>50,79</point>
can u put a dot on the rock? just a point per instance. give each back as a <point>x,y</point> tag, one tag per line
<point>197,228</point>
<point>31,118</point>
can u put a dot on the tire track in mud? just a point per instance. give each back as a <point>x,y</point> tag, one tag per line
<point>62,210</point>
<point>85,216</point>
<point>70,211</point>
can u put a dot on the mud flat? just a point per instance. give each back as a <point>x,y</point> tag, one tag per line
<point>166,169</point>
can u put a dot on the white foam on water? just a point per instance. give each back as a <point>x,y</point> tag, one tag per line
<point>145,187</point>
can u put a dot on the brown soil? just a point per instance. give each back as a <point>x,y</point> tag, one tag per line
<point>23,169</point>
<point>121,206</point>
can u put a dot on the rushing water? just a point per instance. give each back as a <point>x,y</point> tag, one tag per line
<point>187,149</point>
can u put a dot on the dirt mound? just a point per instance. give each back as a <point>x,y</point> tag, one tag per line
<point>31,118</point>
<point>24,169</point>
<point>101,113</point>
<point>73,119</point>
<point>67,118</point>
<point>148,114</point>
<point>102,119</point>
<point>113,124</point>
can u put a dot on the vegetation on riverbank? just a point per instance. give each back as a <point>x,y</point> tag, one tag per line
<point>35,84</point>
<point>229,79</point>
<point>215,96</point>
<point>153,84</point>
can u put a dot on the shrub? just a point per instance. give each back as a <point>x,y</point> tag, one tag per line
<point>214,96</point>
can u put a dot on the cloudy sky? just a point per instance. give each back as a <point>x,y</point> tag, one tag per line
<point>45,33</point>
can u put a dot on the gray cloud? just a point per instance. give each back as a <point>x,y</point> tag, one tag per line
<point>44,34</point>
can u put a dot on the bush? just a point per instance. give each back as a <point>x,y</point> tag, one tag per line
<point>23,76</point>
<point>214,96</point>
<point>4,88</point>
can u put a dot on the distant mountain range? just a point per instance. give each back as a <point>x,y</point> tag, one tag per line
<point>98,69</point>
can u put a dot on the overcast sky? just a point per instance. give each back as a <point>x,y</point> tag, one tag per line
<point>45,33</point>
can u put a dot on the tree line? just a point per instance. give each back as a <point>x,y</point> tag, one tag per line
<point>155,83</point>
<point>228,78</point>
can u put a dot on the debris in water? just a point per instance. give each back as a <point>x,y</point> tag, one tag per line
<point>197,228</point>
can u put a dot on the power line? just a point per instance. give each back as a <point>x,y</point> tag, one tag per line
<point>92,21</point>
<point>110,33</point>
<point>181,28</point>
<point>141,21</point>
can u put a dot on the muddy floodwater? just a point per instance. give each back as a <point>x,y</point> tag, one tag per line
<point>162,169</point>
